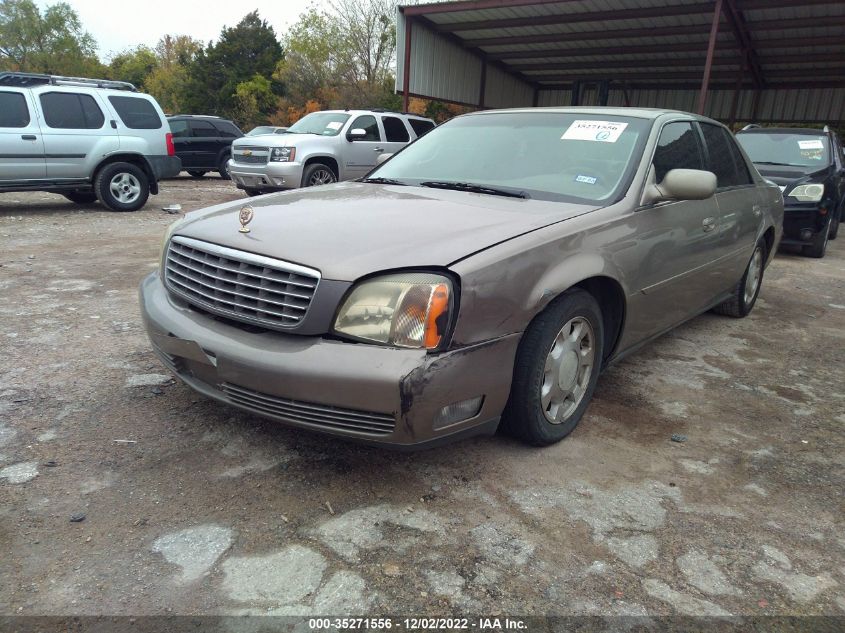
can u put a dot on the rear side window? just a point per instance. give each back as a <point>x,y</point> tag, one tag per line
<point>136,113</point>
<point>203,129</point>
<point>179,129</point>
<point>720,158</point>
<point>421,126</point>
<point>71,111</point>
<point>395,130</point>
<point>677,148</point>
<point>369,125</point>
<point>227,129</point>
<point>13,110</point>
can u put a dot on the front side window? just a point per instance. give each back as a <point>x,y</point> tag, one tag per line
<point>809,152</point>
<point>13,110</point>
<point>203,129</point>
<point>394,130</point>
<point>548,155</point>
<point>136,113</point>
<point>677,148</point>
<point>320,123</point>
<point>71,111</point>
<point>367,123</point>
<point>719,158</point>
<point>742,172</point>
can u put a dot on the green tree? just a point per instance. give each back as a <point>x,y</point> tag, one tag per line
<point>168,80</point>
<point>250,48</point>
<point>253,100</point>
<point>133,65</point>
<point>48,41</point>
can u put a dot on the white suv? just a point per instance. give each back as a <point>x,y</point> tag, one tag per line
<point>87,139</point>
<point>322,147</point>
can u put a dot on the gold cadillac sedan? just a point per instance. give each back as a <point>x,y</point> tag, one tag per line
<point>482,277</point>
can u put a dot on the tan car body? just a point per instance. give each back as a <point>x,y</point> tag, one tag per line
<point>651,267</point>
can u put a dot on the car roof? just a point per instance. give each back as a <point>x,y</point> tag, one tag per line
<point>784,130</point>
<point>605,111</point>
<point>377,111</point>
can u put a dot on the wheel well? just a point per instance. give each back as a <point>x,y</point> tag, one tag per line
<point>611,298</point>
<point>769,238</point>
<point>326,160</point>
<point>133,159</point>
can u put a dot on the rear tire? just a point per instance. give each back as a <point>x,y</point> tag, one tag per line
<point>819,247</point>
<point>318,174</point>
<point>223,168</point>
<point>748,287</point>
<point>81,197</point>
<point>196,174</point>
<point>557,367</point>
<point>122,187</point>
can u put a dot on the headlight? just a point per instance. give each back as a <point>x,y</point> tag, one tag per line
<point>404,309</point>
<point>808,193</point>
<point>282,154</point>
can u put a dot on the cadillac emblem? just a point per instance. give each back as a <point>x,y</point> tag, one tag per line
<point>245,217</point>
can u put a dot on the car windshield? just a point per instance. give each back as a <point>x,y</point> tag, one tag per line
<point>580,157</point>
<point>322,123</point>
<point>261,129</point>
<point>796,150</point>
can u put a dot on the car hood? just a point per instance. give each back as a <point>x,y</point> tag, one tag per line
<point>277,140</point>
<point>352,229</point>
<point>784,175</point>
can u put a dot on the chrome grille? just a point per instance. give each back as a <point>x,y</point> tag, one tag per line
<point>257,156</point>
<point>317,415</point>
<point>239,285</point>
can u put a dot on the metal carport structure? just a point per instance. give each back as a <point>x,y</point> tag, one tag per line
<point>734,60</point>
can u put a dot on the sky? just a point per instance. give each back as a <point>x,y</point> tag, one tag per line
<point>117,26</point>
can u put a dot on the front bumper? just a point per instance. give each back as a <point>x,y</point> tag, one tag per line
<point>803,222</point>
<point>165,166</point>
<point>266,177</point>
<point>370,393</point>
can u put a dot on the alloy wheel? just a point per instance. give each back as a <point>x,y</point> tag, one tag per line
<point>125,188</point>
<point>321,177</point>
<point>569,365</point>
<point>752,277</point>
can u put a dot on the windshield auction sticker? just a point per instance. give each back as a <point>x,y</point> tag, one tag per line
<point>811,144</point>
<point>601,131</point>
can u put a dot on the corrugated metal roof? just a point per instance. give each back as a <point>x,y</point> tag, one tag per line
<point>656,49</point>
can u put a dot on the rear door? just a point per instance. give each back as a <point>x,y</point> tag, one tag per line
<point>739,203</point>
<point>182,142</point>
<point>677,241</point>
<point>396,134</point>
<point>205,141</point>
<point>21,144</point>
<point>76,133</point>
<point>360,155</point>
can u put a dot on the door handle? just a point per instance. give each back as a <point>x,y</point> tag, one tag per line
<point>29,137</point>
<point>709,224</point>
<point>378,149</point>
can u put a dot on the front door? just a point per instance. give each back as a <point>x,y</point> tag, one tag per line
<point>21,144</point>
<point>79,133</point>
<point>676,242</point>
<point>205,140</point>
<point>361,154</point>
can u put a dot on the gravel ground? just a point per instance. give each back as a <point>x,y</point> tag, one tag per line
<point>122,492</point>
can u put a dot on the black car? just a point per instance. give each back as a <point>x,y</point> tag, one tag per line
<point>204,143</point>
<point>807,164</point>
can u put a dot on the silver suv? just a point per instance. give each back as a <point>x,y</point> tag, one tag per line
<point>87,139</point>
<point>321,148</point>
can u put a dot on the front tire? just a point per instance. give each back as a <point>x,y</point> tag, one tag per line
<point>819,246</point>
<point>223,168</point>
<point>122,187</point>
<point>252,192</point>
<point>80,197</point>
<point>748,288</point>
<point>318,174</point>
<point>834,227</point>
<point>556,371</point>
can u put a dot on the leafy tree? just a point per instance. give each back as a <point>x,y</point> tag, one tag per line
<point>253,98</point>
<point>52,41</point>
<point>168,80</point>
<point>134,65</point>
<point>250,48</point>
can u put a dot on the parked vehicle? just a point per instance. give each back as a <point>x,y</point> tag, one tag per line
<point>808,166</point>
<point>487,272</point>
<point>321,148</point>
<point>87,139</point>
<point>204,143</point>
<point>266,129</point>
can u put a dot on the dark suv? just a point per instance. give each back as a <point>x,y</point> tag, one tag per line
<point>204,143</point>
<point>807,165</point>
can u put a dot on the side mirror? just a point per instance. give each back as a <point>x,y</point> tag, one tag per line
<point>382,157</point>
<point>683,184</point>
<point>357,134</point>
